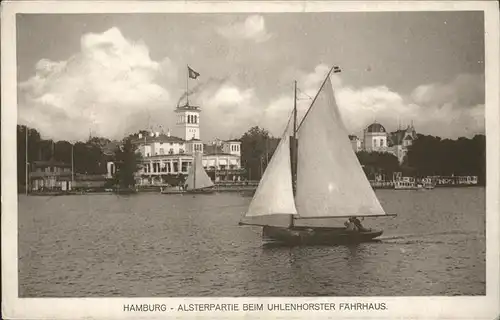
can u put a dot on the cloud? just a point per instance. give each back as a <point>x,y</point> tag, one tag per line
<point>113,87</point>
<point>448,110</point>
<point>228,110</point>
<point>253,28</point>
<point>102,88</point>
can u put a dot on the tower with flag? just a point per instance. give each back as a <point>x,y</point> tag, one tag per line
<point>166,158</point>
<point>188,116</point>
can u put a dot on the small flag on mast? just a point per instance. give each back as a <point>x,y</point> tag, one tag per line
<point>193,74</point>
<point>336,69</point>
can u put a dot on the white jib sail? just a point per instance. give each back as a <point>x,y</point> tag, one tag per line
<point>202,179</point>
<point>330,179</point>
<point>274,195</point>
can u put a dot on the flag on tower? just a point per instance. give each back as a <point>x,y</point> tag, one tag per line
<point>193,74</point>
<point>336,69</point>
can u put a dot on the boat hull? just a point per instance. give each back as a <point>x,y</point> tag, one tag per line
<point>316,236</point>
<point>201,191</point>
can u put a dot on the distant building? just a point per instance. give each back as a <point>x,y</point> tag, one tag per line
<point>356,143</point>
<point>166,156</point>
<point>377,139</point>
<point>50,175</point>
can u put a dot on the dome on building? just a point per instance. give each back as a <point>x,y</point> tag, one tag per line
<point>375,127</point>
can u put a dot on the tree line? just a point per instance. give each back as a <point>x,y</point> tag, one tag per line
<point>89,157</point>
<point>427,156</point>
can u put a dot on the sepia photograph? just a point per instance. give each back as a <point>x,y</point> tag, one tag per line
<point>250,155</point>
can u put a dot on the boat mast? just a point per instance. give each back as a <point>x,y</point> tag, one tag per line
<point>194,171</point>
<point>294,146</point>
<point>26,166</point>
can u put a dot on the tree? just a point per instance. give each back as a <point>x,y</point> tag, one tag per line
<point>257,148</point>
<point>378,163</point>
<point>33,150</point>
<point>62,151</point>
<point>127,163</point>
<point>433,156</point>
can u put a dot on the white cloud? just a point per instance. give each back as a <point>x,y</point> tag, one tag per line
<point>228,111</point>
<point>102,88</point>
<point>113,87</point>
<point>253,28</point>
<point>448,110</point>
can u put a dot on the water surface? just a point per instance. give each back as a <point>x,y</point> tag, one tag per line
<point>178,245</point>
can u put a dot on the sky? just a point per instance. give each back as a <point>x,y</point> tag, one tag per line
<point>114,74</point>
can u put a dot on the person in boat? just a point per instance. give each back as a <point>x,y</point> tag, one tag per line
<point>350,226</point>
<point>358,225</point>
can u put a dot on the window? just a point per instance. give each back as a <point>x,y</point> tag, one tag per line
<point>184,166</point>
<point>162,151</point>
<point>171,151</point>
<point>181,150</point>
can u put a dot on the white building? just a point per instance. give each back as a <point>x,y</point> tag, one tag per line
<point>167,158</point>
<point>377,139</point>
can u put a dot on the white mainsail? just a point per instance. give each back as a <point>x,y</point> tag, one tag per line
<point>197,176</point>
<point>274,195</point>
<point>330,180</point>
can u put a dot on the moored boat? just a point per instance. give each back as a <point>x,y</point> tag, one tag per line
<point>409,183</point>
<point>406,183</point>
<point>314,175</point>
<point>198,181</point>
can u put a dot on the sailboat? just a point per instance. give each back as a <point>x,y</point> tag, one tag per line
<point>314,176</point>
<point>198,180</point>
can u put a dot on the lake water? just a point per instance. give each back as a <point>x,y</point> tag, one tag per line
<point>176,245</point>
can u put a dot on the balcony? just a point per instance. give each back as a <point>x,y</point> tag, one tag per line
<point>44,174</point>
<point>226,170</point>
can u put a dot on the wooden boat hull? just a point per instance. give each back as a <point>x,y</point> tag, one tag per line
<point>316,236</point>
<point>201,191</point>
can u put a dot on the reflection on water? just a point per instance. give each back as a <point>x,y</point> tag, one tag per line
<point>175,245</point>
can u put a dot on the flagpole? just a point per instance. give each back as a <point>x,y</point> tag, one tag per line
<point>26,166</point>
<point>72,167</point>
<point>187,86</point>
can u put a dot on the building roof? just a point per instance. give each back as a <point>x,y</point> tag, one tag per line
<point>211,148</point>
<point>220,154</point>
<point>234,140</point>
<point>353,137</point>
<point>187,107</point>
<point>161,138</point>
<point>375,127</point>
<point>396,137</point>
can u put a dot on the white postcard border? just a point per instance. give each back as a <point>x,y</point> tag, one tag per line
<point>478,307</point>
